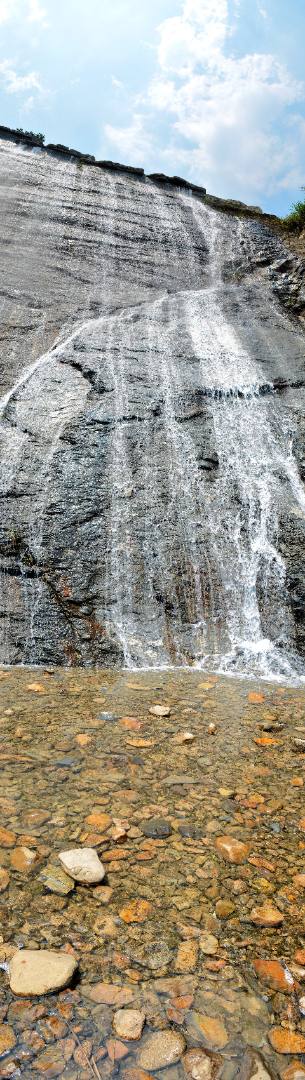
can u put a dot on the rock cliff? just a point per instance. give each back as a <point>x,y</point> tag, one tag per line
<point>152,422</point>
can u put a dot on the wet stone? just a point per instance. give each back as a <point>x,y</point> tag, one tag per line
<point>267,915</point>
<point>82,864</point>
<point>128,1023</point>
<point>7,1039</point>
<point>55,879</point>
<point>232,850</point>
<point>40,972</point>
<point>212,1030</point>
<point>286,1042</point>
<point>273,974</point>
<point>161,1049</point>
<point>156,828</point>
<point>168,931</point>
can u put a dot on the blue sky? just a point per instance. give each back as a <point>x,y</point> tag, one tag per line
<point>210,89</point>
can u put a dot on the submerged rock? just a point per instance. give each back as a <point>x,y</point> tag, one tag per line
<point>40,972</point>
<point>82,864</point>
<point>55,879</point>
<point>128,1023</point>
<point>161,1049</point>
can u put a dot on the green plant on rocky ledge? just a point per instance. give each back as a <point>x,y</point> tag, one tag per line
<point>296,219</point>
<point>32,134</point>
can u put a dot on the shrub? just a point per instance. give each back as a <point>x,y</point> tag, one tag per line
<point>296,218</point>
<point>33,134</point>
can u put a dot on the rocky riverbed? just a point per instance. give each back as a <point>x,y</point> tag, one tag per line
<point>187,960</point>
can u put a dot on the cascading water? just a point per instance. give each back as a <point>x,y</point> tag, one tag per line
<point>147,463</point>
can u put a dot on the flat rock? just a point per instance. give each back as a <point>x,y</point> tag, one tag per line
<point>7,1039</point>
<point>253,1068</point>
<point>199,1065</point>
<point>213,1031</point>
<point>273,974</point>
<point>40,971</point>
<point>156,828</point>
<point>267,915</point>
<point>232,850</point>
<point>23,859</point>
<point>109,994</point>
<point>162,1048</point>
<point>187,956</point>
<point>160,710</point>
<point>4,879</point>
<point>55,879</point>
<point>208,943</point>
<point>129,1023</point>
<point>286,1042</point>
<point>82,864</point>
<point>294,1071</point>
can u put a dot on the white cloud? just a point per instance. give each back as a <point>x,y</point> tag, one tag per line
<point>14,83</point>
<point>132,143</point>
<point>36,13</point>
<point>7,10</point>
<point>24,11</point>
<point>117,83</point>
<point>232,119</point>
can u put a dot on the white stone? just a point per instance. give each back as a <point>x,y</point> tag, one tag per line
<point>40,971</point>
<point>159,710</point>
<point>82,864</point>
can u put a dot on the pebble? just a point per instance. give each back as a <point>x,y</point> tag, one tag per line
<point>198,1065</point>
<point>295,1071</point>
<point>232,850</point>
<point>99,821</point>
<point>224,908</point>
<point>7,1039</point>
<point>162,1048</point>
<point>274,975</point>
<point>82,864</point>
<point>254,1068</point>
<point>22,859</point>
<point>183,737</point>
<point>156,828</point>
<point>213,1031</point>
<point>4,879</point>
<point>109,994</point>
<point>299,880</point>
<point>40,971</point>
<point>267,915</point>
<point>286,1042</point>
<point>136,911</point>
<point>129,1023</point>
<point>116,1050</point>
<point>160,710</point>
<point>55,879</point>
<point>7,838</point>
<point>187,956</point>
<point>208,943</point>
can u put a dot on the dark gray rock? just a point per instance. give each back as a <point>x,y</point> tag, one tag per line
<point>152,424</point>
<point>157,828</point>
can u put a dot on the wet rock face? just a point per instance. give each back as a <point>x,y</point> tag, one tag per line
<point>152,388</point>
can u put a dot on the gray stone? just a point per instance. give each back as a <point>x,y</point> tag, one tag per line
<point>157,828</point>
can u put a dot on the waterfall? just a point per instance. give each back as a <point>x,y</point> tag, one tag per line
<point>147,461</point>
